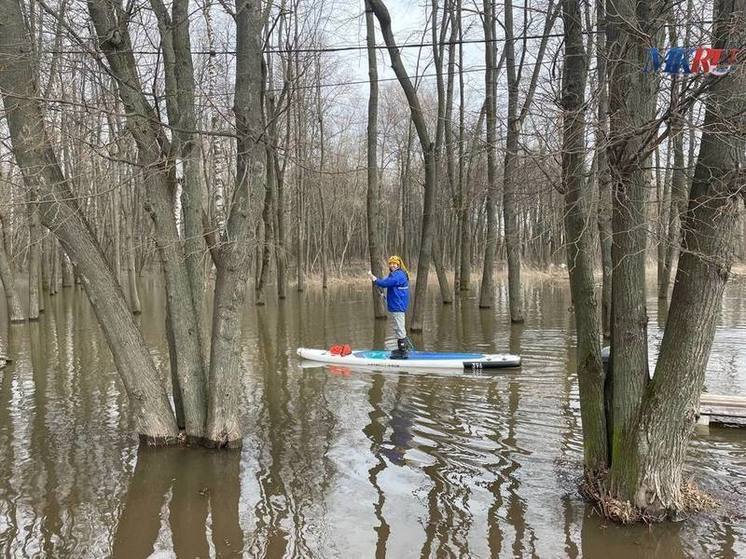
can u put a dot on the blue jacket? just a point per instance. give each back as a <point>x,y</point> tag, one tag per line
<point>397,290</point>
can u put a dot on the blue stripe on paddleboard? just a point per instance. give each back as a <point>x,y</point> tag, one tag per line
<point>429,355</point>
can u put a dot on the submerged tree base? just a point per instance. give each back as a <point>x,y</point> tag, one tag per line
<point>184,440</point>
<point>146,440</point>
<point>594,488</point>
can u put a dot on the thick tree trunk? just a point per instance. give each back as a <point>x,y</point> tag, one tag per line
<point>375,251</point>
<point>223,429</point>
<point>12,300</point>
<point>512,227</point>
<point>631,103</point>
<point>580,243</point>
<point>59,210</point>
<point>192,192</point>
<point>159,181</point>
<point>653,478</point>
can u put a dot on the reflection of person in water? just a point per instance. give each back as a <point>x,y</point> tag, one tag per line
<point>401,436</point>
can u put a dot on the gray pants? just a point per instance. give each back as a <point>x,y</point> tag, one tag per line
<point>400,330</point>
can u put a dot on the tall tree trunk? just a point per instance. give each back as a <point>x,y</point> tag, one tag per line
<point>602,169</point>
<point>464,252</point>
<point>631,105</point>
<point>679,196</point>
<point>281,256</point>
<point>657,447</point>
<point>466,232</point>
<point>487,289</point>
<point>53,266</point>
<point>375,251</point>
<point>159,181</point>
<point>60,212</point>
<point>12,300</point>
<point>45,262</point>
<point>515,120</point>
<point>580,242</point>
<point>34,255</point>
<point>445,96</point>
<point>133,296</point>
<point>188,147</point>
<point>418,119</point>
<point>446,296</point>
<point>300,241</point>
<point>232,256</point>
<point>116,211</point>
<point>68,277</point>
<point>268,214</point>
<point>450,247</point>
<point>320,184</point>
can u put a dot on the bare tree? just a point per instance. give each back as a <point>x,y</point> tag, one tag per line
<point>59,210</point>
<point>428,154</point>
<point>373,198</point>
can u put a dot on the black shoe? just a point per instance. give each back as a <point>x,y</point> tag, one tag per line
<point>401,351</point>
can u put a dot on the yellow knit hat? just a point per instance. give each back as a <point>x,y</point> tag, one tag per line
<point>396,260</point>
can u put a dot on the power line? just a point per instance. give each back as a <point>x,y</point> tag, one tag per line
<point>343,48</point>
<point>349,48</point>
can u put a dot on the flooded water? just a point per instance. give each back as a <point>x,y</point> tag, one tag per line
<point>338,463</point>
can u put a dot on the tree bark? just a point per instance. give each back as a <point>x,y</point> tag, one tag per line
<point>602,169</point>
<point>281,256</point>
<point>232,257</point>
<point>464,251</point>
<point>445,97</point>
<point>679,196</point>
<point>268,209</point>
<point>12,300</point>
<point>159,179</point>
<point>418,119</point>
<point>631,105</point>
<point>34,255</point>
<point>68,278</point>
<point>487,289</point>
<point>581,243</point>
<point>653,475</point>
<point>60,212</point>
<point>320,183</point>
<point>375,251</point>
<point>515,119</point>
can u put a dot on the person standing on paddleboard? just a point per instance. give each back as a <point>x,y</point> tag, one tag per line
<point>397,301</point>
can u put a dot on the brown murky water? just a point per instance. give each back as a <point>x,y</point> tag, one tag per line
<point>339,464</point>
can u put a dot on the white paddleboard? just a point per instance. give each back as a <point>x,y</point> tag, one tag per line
<point>375,358</point>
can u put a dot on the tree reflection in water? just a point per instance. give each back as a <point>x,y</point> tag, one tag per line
<point>195,490</point>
